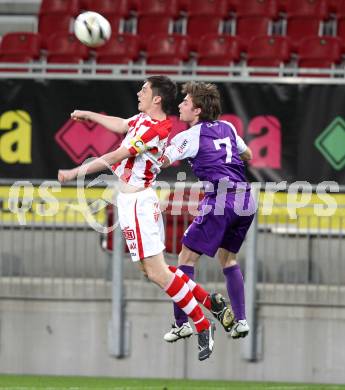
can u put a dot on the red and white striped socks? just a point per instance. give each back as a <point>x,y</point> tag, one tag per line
<point>181,294</point>
<point>199,293</point>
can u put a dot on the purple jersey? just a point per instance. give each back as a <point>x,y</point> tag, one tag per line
<point>213,149</point>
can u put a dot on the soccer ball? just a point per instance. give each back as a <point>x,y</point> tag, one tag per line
<point>92,29</point>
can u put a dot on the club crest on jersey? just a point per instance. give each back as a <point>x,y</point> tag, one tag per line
<point>128,233</point>
<point>138,144</point>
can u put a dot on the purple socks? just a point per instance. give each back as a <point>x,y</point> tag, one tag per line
<point>180,316</point>
<point>235,287</point>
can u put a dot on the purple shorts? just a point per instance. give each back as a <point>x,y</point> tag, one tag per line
<point>222,223</point>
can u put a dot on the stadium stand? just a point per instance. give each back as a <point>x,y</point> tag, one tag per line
<point>66,49</point>
<point>218,50</point>
<point>71,7</point>
<point>319,52</point>
<point>121,49</point>
<point>20,47</point>
<point>167,50</point>
<point>184,23</point>
<point>268,51</point>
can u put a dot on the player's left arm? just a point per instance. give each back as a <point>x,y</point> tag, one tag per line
<point>244,151</point>
<point>97,165</point>
<point>246,155</point>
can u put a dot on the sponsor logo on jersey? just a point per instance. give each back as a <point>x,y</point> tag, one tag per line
<point>182,146</point>
<point>128,233</point>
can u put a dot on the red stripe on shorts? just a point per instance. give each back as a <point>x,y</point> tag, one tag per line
<point>137,229</point>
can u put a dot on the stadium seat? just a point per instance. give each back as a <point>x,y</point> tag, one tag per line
<point>268,51</point>
<point>338,8</point>
<point>299,27</point>
<point>108,7</point>
<point>121,49</point>
<point>197,26</point>
<point>19,44</point>
<point>170,49</point>
<point>268,8</point>
<point>319,52</point>
<point>248,27</point>
<point>315,8</point>
<point>50,24</point>
<point>167,50</point>
<point>66,46</point>
<point>212,8</point>
<point>19,47</point>
<point>341,30</point>
<point>65,49</point>
<point>68,7</point>
<point>217,50</point>
<point>159,7</point>
<point>149,25</point>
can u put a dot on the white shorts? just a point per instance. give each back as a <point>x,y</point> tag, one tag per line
<point>141,223</point>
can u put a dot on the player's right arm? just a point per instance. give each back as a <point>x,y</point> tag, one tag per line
<point>112,123</point>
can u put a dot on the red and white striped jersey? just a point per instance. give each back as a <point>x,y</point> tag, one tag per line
<point>146,140</point>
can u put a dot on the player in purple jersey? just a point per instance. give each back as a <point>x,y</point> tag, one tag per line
<point>216,154</point>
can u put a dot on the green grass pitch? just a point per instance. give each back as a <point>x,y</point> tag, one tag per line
<point>88,383</point>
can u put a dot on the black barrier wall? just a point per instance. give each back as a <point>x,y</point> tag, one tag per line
<point>296,132</point>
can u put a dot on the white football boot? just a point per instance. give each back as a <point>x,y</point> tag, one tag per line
<point>240,329</point>
<point>178,333</point>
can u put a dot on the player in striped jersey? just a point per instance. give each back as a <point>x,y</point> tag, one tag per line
<point>136,162</point>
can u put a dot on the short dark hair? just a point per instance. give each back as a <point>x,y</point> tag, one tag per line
<point>206,97</point>
<point>165,88</point>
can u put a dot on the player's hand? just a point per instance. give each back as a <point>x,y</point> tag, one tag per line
<point>65,175</point>
<point>79,115</point>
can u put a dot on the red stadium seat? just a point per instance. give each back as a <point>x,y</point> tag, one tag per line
<point>65,49</point>
<point>105,7</point>
<point>213,8</point>
<point>20,47</point>
<point>69,7</point>
<point>282,5</point>
<point>197,26</point>
<point>339,8</point>
<point>268,8</point>
<point>314,8</point>
<point>167,46</point>
<point>50,24</point>
<point>121,49</point>
<point>66,45</point>
<point>167,50</point>
<point>21,44</point>
<point>159,7</point>
<point>341,31</point>
<point>268,51</point>
<point>149,25</point>
<point>319,52</point>
<point>299,27</point>
<point>217,50</point>
<point>248,27</point>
